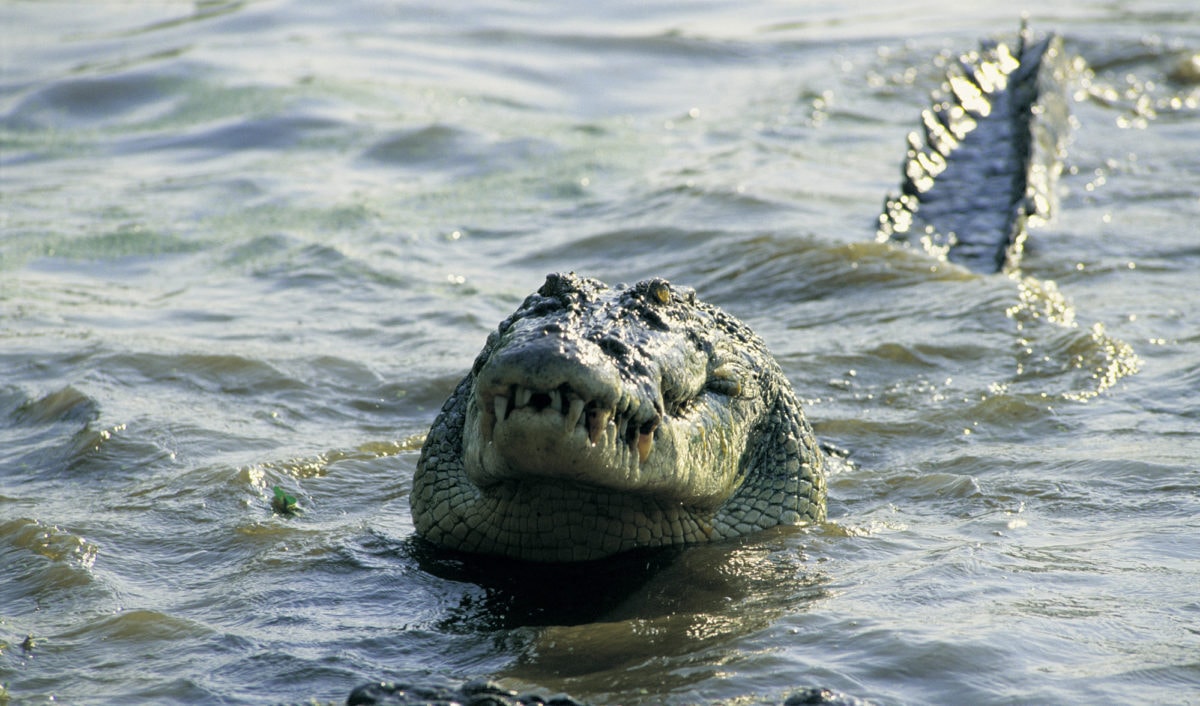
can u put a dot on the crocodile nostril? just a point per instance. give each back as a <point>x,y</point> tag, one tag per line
<point>614,347</point>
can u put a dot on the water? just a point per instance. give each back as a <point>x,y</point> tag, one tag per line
<point>249,244</point>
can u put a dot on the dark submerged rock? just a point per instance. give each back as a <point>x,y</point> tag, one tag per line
<point>478,692</point>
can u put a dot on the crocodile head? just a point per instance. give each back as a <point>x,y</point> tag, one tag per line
<point>597,420</point>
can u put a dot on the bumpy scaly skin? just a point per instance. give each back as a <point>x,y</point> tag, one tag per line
<point>598,420</point>
<point>986,167</point>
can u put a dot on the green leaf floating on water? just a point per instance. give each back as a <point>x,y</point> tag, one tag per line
<point>283,503</point>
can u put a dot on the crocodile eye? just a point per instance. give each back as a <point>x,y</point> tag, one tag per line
<point>661,292</point>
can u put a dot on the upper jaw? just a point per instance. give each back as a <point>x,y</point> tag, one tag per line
<point>524,436</point>
<point>557,405</point>
<point>607,420</point>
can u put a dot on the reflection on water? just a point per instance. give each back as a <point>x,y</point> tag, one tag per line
<point>610,624</point>
<point>1105,359</point>
<point>248,245</point>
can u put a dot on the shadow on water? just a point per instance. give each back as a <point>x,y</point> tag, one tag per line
<point>610,625</point>
<point>521,594</point>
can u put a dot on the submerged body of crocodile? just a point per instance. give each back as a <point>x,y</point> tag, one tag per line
<point>598,420</point>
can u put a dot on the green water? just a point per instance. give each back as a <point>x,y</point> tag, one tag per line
<point>256,244</point>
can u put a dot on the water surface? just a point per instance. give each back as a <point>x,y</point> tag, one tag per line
<point>249,244</point>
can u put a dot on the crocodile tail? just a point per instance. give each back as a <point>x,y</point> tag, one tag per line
<point>984,166</point>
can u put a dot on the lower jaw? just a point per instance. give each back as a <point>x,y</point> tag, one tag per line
<point>560,521</point>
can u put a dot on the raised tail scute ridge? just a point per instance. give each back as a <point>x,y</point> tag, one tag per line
<point>985,164</point>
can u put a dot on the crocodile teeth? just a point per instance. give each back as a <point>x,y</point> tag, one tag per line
<point>645,438</point>
<point>608,426</point>
<point>574,412</point>
<point>597,421</point>
<point>645,444</point>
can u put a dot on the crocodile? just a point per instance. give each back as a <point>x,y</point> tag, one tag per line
<point>602,419</point>
<point>599,419</point>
